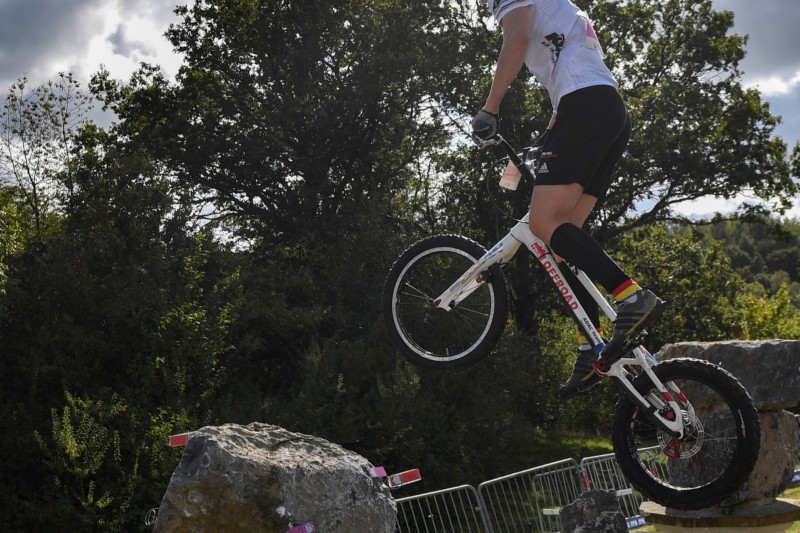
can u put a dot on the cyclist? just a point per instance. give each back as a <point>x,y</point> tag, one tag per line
<point>587,134</point>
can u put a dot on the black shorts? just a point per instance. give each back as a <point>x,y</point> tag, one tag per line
<point>591,133</point>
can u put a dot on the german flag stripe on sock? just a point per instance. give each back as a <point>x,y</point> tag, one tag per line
<point>625,290</point>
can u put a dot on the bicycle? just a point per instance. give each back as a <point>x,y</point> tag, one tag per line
<point>446,303</point>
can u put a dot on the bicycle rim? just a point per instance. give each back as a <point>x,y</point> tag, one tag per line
<point>439,336</point>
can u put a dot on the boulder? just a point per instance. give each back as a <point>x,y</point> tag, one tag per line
<point>594,511</point>
<point>769,370</point>
<point>777,457</point>
<point>264,478</point>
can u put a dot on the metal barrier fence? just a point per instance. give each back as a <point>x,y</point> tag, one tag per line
<point>455,510</point>
<point>602,472</point>
<point>529,501</point>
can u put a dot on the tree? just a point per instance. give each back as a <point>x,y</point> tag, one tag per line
<point>766,251</point>
<point>37,138</point>
<point>114,324</point>
<point>290,114</point>
<point>698,132</point>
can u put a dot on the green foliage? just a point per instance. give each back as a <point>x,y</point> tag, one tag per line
<point>697,131</point>
<point>763,316</point>
<point>693,276</point>
<point>13,233</point>
<point>766,251</point>
<point>707,299</point>
<point>289,113</point>
<point>85,455</point>
<point>122,306</point>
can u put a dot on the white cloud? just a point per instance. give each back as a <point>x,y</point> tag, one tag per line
<point>82,35</point>
<point>776,85</point>
<point>125,42</point>
<point>707,207</point>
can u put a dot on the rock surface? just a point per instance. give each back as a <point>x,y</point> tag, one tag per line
<point>769,370</point>
<point>594,511</point>
<point>267,479</point>
<point>780,442</point>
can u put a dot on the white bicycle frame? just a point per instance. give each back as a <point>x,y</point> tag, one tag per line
<point>504,251</point>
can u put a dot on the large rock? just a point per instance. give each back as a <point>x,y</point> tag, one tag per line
<point>267,479</point>
<point>594,511</point>
<point>769,370</point>
<point>780,442</point>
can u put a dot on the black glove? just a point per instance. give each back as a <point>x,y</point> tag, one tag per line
<point>485,124</point>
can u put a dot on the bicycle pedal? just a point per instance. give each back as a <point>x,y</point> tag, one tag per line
<point>634,340</point>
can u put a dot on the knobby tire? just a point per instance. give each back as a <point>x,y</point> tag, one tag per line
<point>718,451</point>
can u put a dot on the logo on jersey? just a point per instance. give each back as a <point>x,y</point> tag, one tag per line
<point>554,42</point>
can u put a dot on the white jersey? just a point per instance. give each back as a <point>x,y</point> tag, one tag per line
<point>564,54</point>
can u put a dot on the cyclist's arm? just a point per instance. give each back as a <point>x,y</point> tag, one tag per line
<point>517,35</point>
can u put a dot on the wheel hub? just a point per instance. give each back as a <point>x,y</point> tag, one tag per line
<point>688,446</point>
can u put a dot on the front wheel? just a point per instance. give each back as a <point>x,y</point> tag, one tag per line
<point>435,337</point>
<point>720,443</point>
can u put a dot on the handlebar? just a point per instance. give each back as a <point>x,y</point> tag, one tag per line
<point>517,159</point>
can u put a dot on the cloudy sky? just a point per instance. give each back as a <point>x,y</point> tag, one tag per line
<point>39,38</point>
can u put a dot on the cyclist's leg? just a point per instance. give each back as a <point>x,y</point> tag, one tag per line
<point>579,153</point>
<point>580,211</point>
<point>552,209</point>
<point>583,376</point>
<point>551,206</point>
<point>636,305</point>
<point>578,217</point>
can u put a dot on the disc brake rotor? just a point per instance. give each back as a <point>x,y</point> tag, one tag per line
<point>691,443</point>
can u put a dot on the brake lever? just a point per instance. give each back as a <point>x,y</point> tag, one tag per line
<point>485,143</point>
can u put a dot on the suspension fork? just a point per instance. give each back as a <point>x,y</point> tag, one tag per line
<point>477,274</point>
<point>654,405</point>
<point>661,406</point>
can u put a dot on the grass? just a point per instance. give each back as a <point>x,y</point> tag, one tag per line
<point>793,492</point>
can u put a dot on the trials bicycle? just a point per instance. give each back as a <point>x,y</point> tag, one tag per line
<point>685,432</point>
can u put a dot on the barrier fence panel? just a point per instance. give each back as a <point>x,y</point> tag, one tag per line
<point>455,510</point>
<point>602,472</point>
<point>530,500</point>
<point>554,490</point>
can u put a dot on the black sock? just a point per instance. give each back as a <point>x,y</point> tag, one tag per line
<point>581,250</point>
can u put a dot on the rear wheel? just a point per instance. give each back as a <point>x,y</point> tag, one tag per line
<point>435,337</point>
<point>720,443</point>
